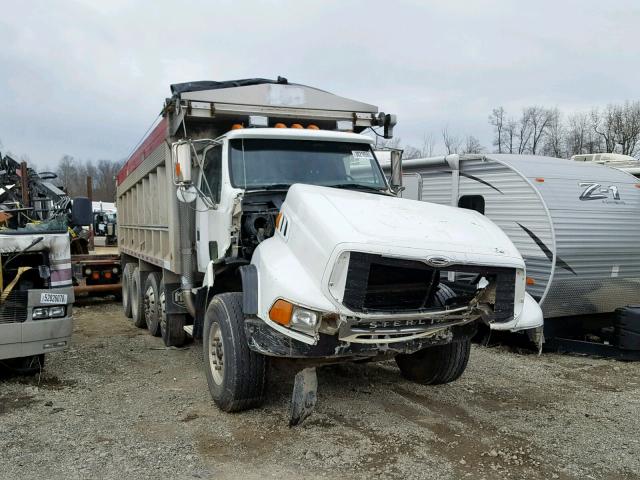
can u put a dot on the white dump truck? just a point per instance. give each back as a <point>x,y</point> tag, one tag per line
<point>256,217</point>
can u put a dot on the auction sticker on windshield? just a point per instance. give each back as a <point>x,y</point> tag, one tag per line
<point>362,154</point>
<point>53,298</point>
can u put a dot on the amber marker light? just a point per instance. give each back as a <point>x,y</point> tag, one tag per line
<point>279,125</point>
<point>530,281</point>
<point>539,179</point>
<point>237,126</point>
<point>312,127</point>
<point>281,312</point>
<point>278,219</point>
<point>296,125</point>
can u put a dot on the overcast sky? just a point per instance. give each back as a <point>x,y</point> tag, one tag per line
<point>86,78</point>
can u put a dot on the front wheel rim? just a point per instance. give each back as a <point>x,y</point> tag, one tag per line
<point>216,354</point>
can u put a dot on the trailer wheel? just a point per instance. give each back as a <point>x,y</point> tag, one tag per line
<point>151,305</point>
<point>436,365</point>
<point>171,324</point>
<point>236,375</point>
<point>127,274</point>
<point>137,309</point>
<point>24,366</point>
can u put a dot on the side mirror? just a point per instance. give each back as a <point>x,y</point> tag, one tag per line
<point>182,162</point>
<point>81,212</point>
<point>396,171</point>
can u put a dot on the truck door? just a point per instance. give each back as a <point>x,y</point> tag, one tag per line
<point>207,219</point>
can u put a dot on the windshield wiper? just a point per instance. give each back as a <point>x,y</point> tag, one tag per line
<point>275,186</point>
<point>356,186</point>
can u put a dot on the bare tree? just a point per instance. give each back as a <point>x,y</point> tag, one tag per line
<point>451,142</point>
<point>603,125</point>
<point>524,131</point>
<point>381,142</point>
<point>497,119</point>
<point>555,140</point>
<point>425,150</point>
<point>68,174</point>
<point>428,145</point>
<point>627,127</point>
<point>410,152</point>
<point>511,134</point>
<point>106,172</point>
<point>576,135</point>
<point>539,119</point>
<point>472,145</point>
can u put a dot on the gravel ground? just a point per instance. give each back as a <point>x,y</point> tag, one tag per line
<point>119,405</point>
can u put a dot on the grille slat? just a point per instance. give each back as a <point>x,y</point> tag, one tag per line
<point>14,308</point>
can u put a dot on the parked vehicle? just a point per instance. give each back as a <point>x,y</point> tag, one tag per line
<point>36,291</point>
<point>626,163</point>
<point>105,222</point>
<point>575,224</point>
<point>268,241</point>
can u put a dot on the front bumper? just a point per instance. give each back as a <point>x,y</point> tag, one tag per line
<point>530,317</point>
<point>21,336</point>
<point>268,341</point>
<point>35,337</point>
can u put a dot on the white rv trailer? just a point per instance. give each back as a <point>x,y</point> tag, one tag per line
<point>625,163</point>
<point>575,223</point>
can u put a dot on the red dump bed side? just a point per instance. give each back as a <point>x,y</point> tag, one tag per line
<point>153,140</point>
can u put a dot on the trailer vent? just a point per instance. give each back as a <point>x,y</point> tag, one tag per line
<point>14,308</point>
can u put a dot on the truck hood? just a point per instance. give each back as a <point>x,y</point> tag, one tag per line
<point>317,225</point>
<point>345,216</point>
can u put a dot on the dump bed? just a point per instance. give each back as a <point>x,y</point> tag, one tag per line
<point>146,196</point>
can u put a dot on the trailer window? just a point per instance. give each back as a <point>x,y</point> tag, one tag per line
<point>472,202</point>
<point>268,163</point>
<point>213,172</point>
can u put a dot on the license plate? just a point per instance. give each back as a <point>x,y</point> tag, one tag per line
<point>53,298</point>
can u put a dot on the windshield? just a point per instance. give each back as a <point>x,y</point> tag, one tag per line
<point>268,163</point>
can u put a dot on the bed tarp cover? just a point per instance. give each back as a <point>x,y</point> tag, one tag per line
<point>178,88</point>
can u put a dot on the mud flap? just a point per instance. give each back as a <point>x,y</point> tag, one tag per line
<point>304,397</point>
<point>536,336</point>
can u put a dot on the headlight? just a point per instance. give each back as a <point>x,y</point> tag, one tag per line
<point>304,320</point>
<point>293,316</point>
<point>40,313</point>
<point>56,312</point>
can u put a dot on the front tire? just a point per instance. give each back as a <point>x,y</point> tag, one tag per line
<point>436,365</point>
<point>24,366</point>
<point>235,374</point>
